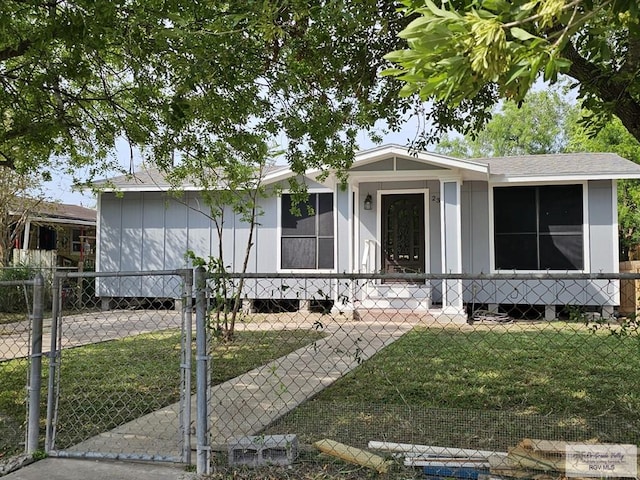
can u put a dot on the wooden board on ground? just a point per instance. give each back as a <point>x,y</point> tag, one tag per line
<point>525,458</point>
<point>550,446</point>
<point>353,455</point>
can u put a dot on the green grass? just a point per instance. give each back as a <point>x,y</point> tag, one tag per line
<point>484,387</point>
<point>107,384</point>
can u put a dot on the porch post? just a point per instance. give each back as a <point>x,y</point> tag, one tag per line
<point>26,234</point>
<point>451,228</point>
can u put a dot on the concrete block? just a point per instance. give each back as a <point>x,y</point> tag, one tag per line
<point>550,312</point>
<point>106,303</point>
<point>262,450</point>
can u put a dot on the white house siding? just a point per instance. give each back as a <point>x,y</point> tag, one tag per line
<point>109,233</point>
<point>475,227</point>
<point>266,240</point>
<point>603,223</point>
<point>175,240</point>
<point>604,251</point>
<point>342,235</point>
<point>154,230</point>
<point>152,244</point>
<point>368,223</point>
<point>435,238</point>
<point>147,231</point>
<point>475,241</point>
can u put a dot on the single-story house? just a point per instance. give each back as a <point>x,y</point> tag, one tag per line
<point>399,212</point>
<point>54,235</point>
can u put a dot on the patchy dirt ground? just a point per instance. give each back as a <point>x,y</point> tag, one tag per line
<point>313,466</point>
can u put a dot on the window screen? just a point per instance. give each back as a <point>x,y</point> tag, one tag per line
<point>307,236</point>
<point>538,228</point>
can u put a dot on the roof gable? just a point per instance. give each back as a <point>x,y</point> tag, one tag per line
<point>398,158</point>
<point>392,164</point>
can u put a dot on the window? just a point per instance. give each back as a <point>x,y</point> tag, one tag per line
<point>307,239</point>
<point>538,228</point>
<point>76,240</point>
<point>47,238</point>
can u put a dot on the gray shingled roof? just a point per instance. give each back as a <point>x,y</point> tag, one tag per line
<point>564,164</point>
<point>55,210</point>
<point>143,177</point>
<point>155,179</point>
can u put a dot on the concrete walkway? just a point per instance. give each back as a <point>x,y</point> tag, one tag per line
<point>245,404</point>
<point>248,403</point>
<point>73,469</point>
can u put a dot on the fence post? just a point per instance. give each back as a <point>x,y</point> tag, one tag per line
<point>35,374</point>
<point>54,359</point>
<point>203,450</point>
<point>185,396</point>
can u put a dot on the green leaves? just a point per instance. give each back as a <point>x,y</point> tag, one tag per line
<point>539,125</point>
<point>193,80</point>
<point>456,52</point>
<point>521,34</point>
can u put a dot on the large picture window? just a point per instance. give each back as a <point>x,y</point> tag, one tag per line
<point>539,227</point>
<point>307,239</point>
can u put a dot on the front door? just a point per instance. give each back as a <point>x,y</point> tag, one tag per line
<point>403,233</point>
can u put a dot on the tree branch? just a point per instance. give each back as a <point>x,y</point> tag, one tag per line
<point>632,60</point>
<point>610,88</point>
<point>6,161</point>
<point>14,52</point>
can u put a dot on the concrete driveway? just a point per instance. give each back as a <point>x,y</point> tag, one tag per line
<point>87,328</point>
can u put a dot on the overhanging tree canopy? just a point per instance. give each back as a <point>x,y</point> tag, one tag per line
<point>466,55</point>
<point>203,78</point>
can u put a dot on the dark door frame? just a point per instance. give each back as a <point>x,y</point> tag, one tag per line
<point>413,257</point>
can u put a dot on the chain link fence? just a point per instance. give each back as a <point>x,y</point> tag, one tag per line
<point>404,373</point>
<point>20,314</point>
<point>424,366</point>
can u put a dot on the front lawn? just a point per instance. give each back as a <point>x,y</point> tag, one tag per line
<point>110,383</point>
<point>484,387</point>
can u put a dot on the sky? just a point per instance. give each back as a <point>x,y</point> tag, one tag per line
<point>60,189</point>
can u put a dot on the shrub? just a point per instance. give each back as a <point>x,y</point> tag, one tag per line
<point>12,298</point>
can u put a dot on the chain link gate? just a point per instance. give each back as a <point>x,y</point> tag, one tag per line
<point>21,332</point>
<point>120,375</point>
<point>445,368</point>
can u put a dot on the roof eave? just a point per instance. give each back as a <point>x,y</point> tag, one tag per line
<point>149,188</point>
<point>562,178</point>
<point>64,221</point>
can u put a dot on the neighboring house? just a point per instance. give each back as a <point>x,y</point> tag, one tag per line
<point>56,235</point>
<point>399,213</point>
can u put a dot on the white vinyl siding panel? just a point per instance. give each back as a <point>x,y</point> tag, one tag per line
<point>132,243</point>
<point>152,243</point>
<point>199,227</point>
<point>176,234</point>
<point>601,208</point>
